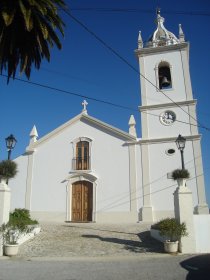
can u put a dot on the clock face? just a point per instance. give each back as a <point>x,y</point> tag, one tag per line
<point>168,117</point>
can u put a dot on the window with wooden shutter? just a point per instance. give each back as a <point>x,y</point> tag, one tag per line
<point>82,156</point>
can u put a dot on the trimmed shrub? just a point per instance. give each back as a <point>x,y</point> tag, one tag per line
<point>8,169</point>
<point>180,173</point>
<point>171,229</point>
<point>20,218</point>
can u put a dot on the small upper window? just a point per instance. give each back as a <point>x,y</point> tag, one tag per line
<point>82,155</point>
<point>164,75</point>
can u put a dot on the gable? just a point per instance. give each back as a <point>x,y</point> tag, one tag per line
<point>88,122</point>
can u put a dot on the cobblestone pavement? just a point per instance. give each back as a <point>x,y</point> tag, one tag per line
<point>92,240</point>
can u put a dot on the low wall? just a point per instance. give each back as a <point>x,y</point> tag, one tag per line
<point>202,233</point>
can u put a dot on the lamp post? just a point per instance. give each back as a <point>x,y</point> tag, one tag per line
<point>10,144</point>
<point>180,142</point>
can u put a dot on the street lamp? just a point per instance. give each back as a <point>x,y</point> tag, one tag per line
<point>180,142</point>
<point>10,143</point>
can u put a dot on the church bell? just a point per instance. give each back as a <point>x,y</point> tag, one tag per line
<point>165,82</point>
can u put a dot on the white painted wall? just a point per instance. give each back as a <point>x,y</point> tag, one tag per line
<point>139,192</point>
<point>178,92</point>
<point>202,233</point>
<point>53,163</point>
<point>18,184</point>
<point>162,189</point>
<point>157,129</point>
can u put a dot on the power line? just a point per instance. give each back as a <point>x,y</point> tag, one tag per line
<point>113,204</point>
<point>92,98</point>
<point>103,101</point>
<point>71,93</point>
<point>129,64</point>
<point>138,10</point>
<point>129,108</point>
<point>125,194</point>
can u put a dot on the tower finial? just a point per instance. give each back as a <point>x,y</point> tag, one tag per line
<point>158,11</point>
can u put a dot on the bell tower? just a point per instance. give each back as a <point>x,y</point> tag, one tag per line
<point>167,110</point>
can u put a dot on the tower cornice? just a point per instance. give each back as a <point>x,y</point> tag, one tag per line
<point>167,105</point>
<point>168,139</point>
<point>149,50</point>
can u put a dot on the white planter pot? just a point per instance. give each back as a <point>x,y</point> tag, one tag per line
<point>171,247</point>
<point>181,182</point>
<point>11,249</point>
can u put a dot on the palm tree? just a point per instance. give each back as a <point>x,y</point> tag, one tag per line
<point>27,31</point>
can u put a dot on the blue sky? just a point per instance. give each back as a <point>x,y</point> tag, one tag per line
<point>86,67</point>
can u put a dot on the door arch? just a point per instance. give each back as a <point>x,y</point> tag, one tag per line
<point>82,201</point>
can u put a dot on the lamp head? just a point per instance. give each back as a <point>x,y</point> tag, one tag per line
<point>180,142</point>
<point>10,142</point>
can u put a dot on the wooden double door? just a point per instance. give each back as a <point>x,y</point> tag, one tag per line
<point>82,201</point>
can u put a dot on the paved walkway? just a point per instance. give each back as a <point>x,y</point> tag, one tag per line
<point>92,240</point>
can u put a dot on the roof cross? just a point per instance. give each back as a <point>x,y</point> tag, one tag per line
<point>84,104</point>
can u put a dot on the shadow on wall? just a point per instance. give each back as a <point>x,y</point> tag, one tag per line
<point>198,267</point>
<point>145,243</point>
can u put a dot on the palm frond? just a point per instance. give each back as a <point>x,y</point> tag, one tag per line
<point>8,17</point>
<point>28,28</point>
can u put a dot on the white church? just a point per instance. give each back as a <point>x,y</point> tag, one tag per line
<point>89,171</point>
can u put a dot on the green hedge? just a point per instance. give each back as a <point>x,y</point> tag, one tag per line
<point>20,218</point>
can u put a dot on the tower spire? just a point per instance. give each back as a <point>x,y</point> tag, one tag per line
<point>140,41</point>
<point>181,34</point>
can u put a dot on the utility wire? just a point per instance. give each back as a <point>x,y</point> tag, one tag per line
<point>113,204</point>
<point>129,64</point>
<point>92,98</point>
<point>71,93</point>
<point>103,101</point>
<point>137,10</point>
<point>125,194</point>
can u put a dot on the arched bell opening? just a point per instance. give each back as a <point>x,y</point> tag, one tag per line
<point>164,75</point>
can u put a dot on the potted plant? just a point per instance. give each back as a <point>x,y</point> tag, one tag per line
<point>8,170</point>
<point>172,230</point>
<point>19,225</point>
<point>10,236</point>
<point>180,175</point>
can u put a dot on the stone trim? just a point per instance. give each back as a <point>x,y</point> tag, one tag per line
<point>132,178</point>
<point>167,105</point>
<point>29,179</point>
<point>75,178</point>
<point>81,117</point>
<point>146,213</point>
<point>202,207</point>
<point>151,50</point>
<point>167,139</point>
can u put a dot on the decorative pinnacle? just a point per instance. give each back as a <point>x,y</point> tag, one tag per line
<point>132,126</point>
<point>140,42</point>
<point>181,34</point>
<point>33,135</point>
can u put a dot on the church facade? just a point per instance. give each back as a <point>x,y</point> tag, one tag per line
<point>89,171</point>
